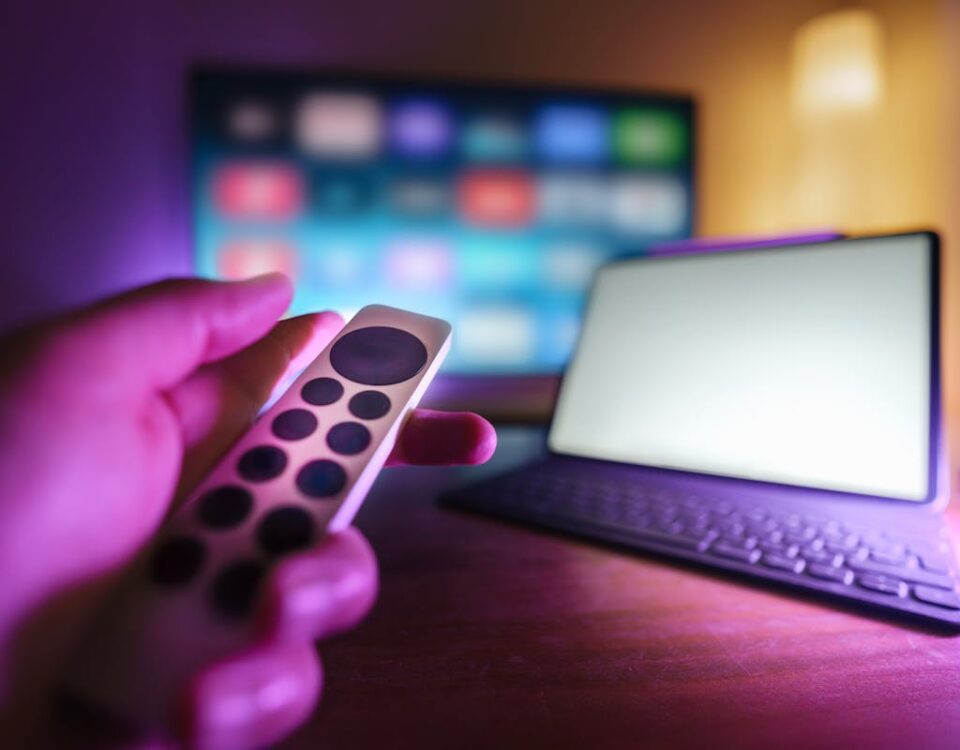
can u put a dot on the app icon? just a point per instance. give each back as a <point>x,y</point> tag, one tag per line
<point>497,335</point>
<point>570,265</point>
<point>420,129</point>
<point>572,134</point>
<point>241,259</point>
<point>650,137</point>
<point>419,263</point>
<point>491,265</point>
<point>342,193</point>
<point>258,191</point>
<point>653,206</point>
<point>494,137</point>
<point>420,197</point>
<point>338,125</point>
<point>573,199</point>
<point>496,198</point>
<point>253,121</point>
<point>340,264</point>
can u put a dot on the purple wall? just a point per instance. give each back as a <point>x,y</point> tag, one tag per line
<point>93,138</point>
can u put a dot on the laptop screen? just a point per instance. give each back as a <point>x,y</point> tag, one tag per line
<point>809,365</point>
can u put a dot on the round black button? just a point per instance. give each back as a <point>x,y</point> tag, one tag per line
<point>294,424</point>
<point>348,438</point>
<point>322,391</point>
<point>177,560</point>
<point>262,463</point>
<point>224,507</point>
<point>285,529</point>
<point>235,588</point>
<point>378,355</point>
<point>321,478</point>
<point>369,405</point>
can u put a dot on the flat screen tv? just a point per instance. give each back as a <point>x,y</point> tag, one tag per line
<point>486,204</point>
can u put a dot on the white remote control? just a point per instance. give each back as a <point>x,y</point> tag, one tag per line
<point>303,469</point>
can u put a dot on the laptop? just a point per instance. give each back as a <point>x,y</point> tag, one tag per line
<point>774,412</point>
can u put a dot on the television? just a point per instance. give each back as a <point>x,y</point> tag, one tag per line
<point>489,205</point>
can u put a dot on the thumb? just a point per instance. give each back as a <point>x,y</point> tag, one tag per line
<point>155,336</point>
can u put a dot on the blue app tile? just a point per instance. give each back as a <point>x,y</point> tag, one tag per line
<point>573,134</point>
<point>496,264</point>
<point>342,194</point>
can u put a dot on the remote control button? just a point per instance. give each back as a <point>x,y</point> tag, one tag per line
<point>284,530</point>
<point>224,507</point>
<point>369,405</point>
<point>348,438</point>
<point>322,391</point>
<point>177,560</point>
<point>262,463</point>
<point>235,588</point>
<point>294,424</point>
<point>323,478</point>
<point>378,355</point>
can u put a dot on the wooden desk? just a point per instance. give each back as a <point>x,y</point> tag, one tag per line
<point>487,635</point>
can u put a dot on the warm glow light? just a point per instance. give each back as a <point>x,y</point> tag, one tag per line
<point>837,63</point>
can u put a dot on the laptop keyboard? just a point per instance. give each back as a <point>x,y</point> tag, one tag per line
<point>872,566</point>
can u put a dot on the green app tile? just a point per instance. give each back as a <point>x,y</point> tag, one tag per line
<point>650,137</point>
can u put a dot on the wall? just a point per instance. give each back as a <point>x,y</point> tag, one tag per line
<point>93,139</point>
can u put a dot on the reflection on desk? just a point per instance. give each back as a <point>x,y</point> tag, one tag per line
<point>488,635</point>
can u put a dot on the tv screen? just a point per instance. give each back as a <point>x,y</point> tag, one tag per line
<point>490,206</point>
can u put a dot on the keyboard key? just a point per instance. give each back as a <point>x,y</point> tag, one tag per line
<point>822,556</point>
<point>780,562</point>
<point>685,541</point>
<point>830,573</point>
<point>740,543</point>
<point>883,584</point>
<point>801,536</point>
<point>842,543</point>
<point>735,553</point>
<point>888,558</point>
<point>937,597</point>
<point>935,563</point>
<point>779,548</point>
<point>886,548</point>
<point>913,575</point>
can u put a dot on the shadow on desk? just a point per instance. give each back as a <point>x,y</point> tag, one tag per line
<point>488,635</point>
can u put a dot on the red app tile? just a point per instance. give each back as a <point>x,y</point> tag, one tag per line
<point>497,198</point>
<point>241,259</point>
<point>259,190</point>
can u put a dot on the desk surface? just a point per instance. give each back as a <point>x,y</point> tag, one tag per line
<point>488,635</point>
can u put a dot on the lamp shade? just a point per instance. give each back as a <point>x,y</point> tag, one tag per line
<point>837,63</point>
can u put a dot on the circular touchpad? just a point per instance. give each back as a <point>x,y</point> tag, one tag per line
<point>378,355</point>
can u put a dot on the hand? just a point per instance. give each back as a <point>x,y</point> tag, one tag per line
<point>106,418</point>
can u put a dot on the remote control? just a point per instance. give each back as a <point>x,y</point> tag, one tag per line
<point>303,468</point>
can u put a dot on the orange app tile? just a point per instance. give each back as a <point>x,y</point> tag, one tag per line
<point>241,259</point>
<point>258,191</point>
<point>497,198</point>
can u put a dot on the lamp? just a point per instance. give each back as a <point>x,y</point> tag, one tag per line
<point>840,177</point>
<point>837,63</point>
